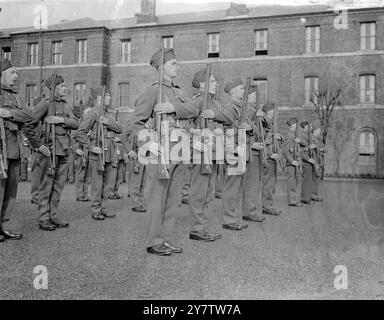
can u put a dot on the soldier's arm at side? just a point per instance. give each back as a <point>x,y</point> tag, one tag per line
<point>21,115</point>
<point>288,143</point>
<point>30,128</point>
<point>81,133</point>
<point>143,109</point>
<point>187,110</point>
<point>72,122</point>
<point>114,126</point>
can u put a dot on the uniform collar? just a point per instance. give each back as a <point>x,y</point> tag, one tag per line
<point>57,99</point>
<point>168,83</point>
<point>6,88</point>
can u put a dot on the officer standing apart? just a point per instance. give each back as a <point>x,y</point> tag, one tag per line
<point>162,195</point>
<point>13,115</point>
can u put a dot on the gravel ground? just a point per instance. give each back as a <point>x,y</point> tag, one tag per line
<point>292,256</point>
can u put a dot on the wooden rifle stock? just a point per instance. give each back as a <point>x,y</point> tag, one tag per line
<point>50,131</point>
<point>3,150</point>
<point>162,170</point>
<point>275,142</point>
<point>296,153</point>
<point>205,167</point>
<point>100,134</point>
<point>310,151</point>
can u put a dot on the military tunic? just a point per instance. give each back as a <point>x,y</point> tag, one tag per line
<point>12,126</point>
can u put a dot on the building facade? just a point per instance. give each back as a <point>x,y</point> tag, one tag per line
<point>284,50</point>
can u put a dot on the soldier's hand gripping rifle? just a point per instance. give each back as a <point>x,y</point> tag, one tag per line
<point>316,168</point>
<point>296,153</point>
<point>242,134</point>
<point>162,170</point>
<point>50,129</point>
<point>205,165</point>
<point>100,139</point>
<point>3,149</point>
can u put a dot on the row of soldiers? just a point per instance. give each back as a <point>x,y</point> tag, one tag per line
<point>265,150</point>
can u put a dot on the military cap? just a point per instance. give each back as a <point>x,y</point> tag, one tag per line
<point>6,64</point>
<point>232,84</point>
<point>169,54</point>
<point>199,77</point>
<point>304,123</point>
<point>316,125</point>
<point>292,121</point>
<point>49,81</point>
<point>268,106</point>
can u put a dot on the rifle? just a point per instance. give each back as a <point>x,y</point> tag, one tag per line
<point>242,134</point>
<point>205,167</point>
<point>311,155</point>
<point>3,150</point>
<point>50,129</point>
<point>296,156</point>
<point>275,142</point>
<point>100,134</point>
<point>162,170</point>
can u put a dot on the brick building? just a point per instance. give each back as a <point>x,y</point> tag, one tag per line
<point>283,48</point>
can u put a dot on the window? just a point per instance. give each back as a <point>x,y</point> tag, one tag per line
<point>57,52</point>
<point>31,94</point>
<point>213,45</point>
<point>81,53</point>
<point>367,89</point>
<point>261,42</point>
<point>33,54</point>
<point>367,143</point>
<point>263,94</point>
<point>123,94</point>
<point>312,39</point>
<point>168,42</point>
<point>6,53</point>
<point>368,36</point>
<point>79,97</point>
<point>125,51</point>
<point>311,88</point>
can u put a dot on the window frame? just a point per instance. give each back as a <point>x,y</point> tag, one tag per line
<point>213,53</point>
<point>259,51</point>
<point>57,54</point>
<point>119,86</point>
<point>75,93</point>
<point>31,54</point>
<point>316,41</point>
<point>28,101</point>
<point>81,55</point>
<point>365,90</point>
<point>164,40</point>
<point>257,81</point>
<point>364,38</point>
<point>128,53</point>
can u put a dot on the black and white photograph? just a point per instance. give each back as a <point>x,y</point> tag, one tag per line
<point>202,151</point>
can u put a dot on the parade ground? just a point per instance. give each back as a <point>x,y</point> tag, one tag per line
<point>297,255</point>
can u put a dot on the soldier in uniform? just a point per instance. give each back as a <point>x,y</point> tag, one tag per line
<point>14,116</point>
<point>101,181</point>
<point>270,168</point>
<point>251,178</point>
<point>202,184</point>
<point>163,196</point>
<point>308,164</point>
<point>52,179</point>
<point>82,174</point>
<point>291,147</point>
<point>136,176</point>
<point>319,156</point>
<point>231,213</point>
<point>117,171</point>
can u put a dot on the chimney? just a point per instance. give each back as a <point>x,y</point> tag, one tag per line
<point>237,9</point>
<point>147,12</point>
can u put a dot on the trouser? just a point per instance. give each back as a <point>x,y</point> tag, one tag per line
<point>187,183</point>
<point>81,178</point>
<point>24,169</point>
<point>307,184</point>
<point>71,168</point>
<point>116,177</point>
<point>136,182</point>
<point>231,211</point>
<point>293,184</point>
<point>220,178</point>
<point>163,198</point>
<point>269,182</point>
<point>35,176</point>
<point>51,186</point>
<point>315,186</point>
<point>8,193</point>
<point>249,187</point>
<point>200,192</point>
<point>101,185</point>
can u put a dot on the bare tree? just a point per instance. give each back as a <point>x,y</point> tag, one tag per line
<point>335,82</point>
